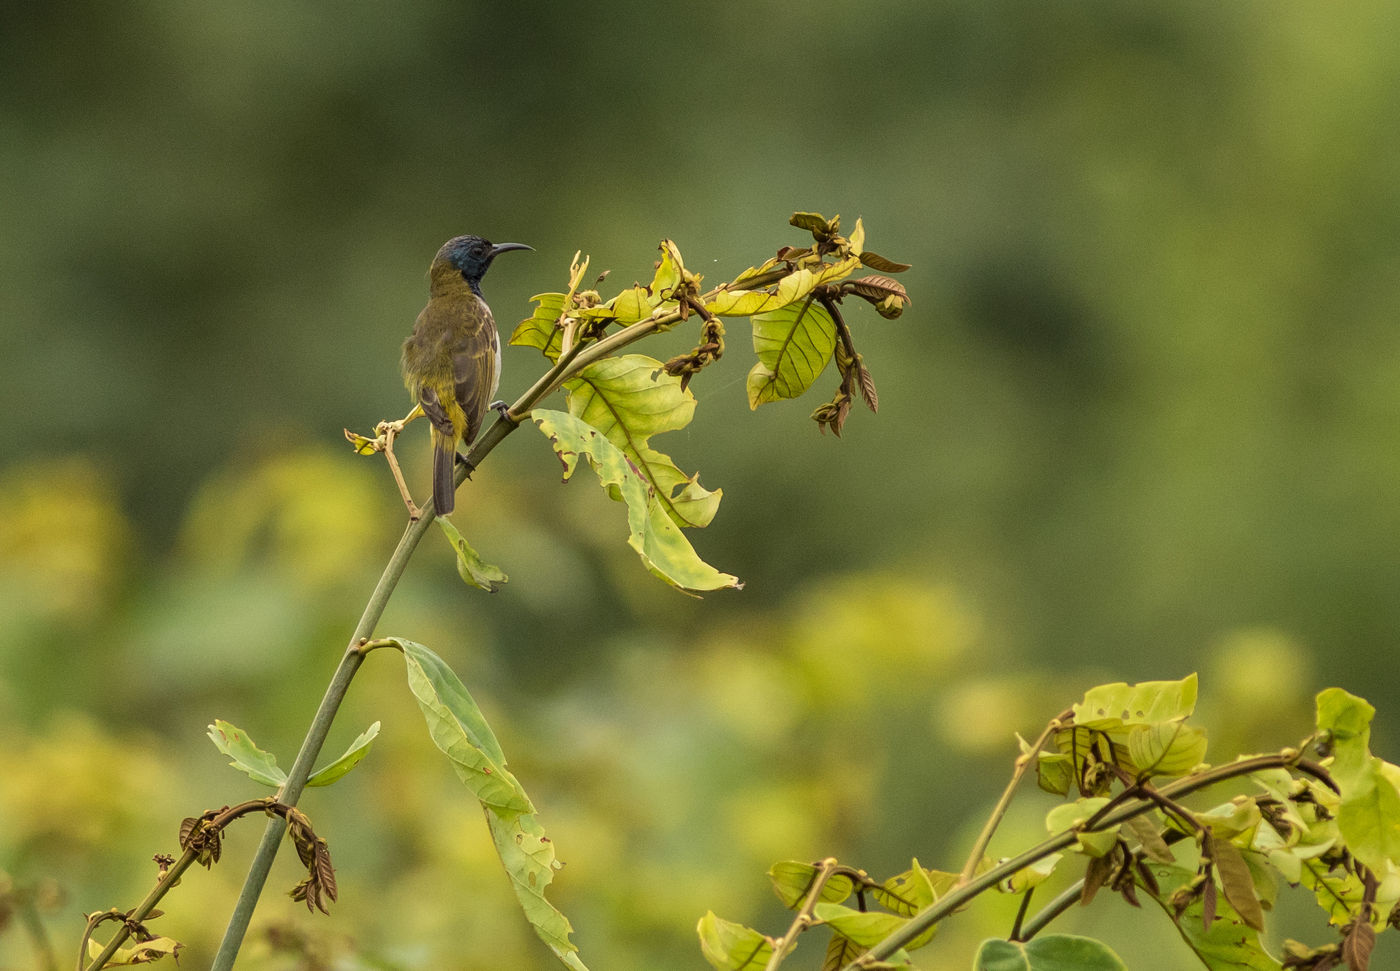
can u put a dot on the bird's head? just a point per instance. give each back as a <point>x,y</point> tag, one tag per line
<point>471,256</point>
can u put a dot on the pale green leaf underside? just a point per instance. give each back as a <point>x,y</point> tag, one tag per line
<point>651,532</point>
<point>247,758</point>
<point>358,749</point>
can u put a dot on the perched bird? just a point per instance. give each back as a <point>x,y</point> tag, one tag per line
<point>452,361</point>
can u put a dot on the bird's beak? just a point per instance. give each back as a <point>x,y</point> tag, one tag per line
<point>500,248</point>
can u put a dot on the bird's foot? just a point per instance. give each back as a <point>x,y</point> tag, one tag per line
<point>503,409</point>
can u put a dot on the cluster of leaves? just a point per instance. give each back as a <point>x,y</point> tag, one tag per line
<point>615,404</point>
<point>1130,758</point>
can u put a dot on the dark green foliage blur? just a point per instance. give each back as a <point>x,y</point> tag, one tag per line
<point>1143,418</point>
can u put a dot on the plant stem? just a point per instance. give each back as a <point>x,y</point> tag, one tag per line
<point>1049,912</point>
<point>315,738</point>
<point>1023,763</point>
<point>964,892</point>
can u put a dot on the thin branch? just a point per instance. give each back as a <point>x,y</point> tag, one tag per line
<point>1023,764</point>
<point>1049,912</point>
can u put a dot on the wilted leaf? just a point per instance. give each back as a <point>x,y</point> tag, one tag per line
<point>247,758</point>
<point>651,532</point>
<point>358,749</point>
<point>733,947</point>
<point>470,566</point>
<point>876,288</point>
<point>460,731</point>
<point>813,222</point>
<point>1236,881</point>
<point>629,399</point>
<point>1224,943</point>
<point>670,273</point>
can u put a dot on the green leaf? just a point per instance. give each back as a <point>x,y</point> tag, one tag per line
<point>629,399</point>
<point>1054,952</point>
<point>840,951</point>
<point>1032,875</point>
<point>1073,815</point>
<point>792,881</point>
<point>1137,704</point>
<point>528,856</point>
<point>258,765</point>
<point>460,731</point>
<point>542,330</point>
<point>867,928</point>
<point>793,344</point>
<point>1369,817</point>
<point>470,566</point>
<point>916,888</point>
<point>1166,748</point>
<point>631,305</point>
<point>1229,944</point>
<point>651,532</point>
<point>358,749</point>
<point>733,947</point>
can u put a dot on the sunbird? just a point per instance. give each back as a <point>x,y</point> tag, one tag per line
<point>452,360</point>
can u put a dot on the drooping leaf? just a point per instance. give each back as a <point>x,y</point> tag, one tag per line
<point>542,330</point>
<point>470,566</point>
<point>529,859</point>
<point>247,758</point>
<point>733,947</point>
<point>876,288</point>
<point>813,222</point>
<point>793,344</point>
<point>358,749</point>
<point>460,731</point>
<point>1054,952</point>
<point>1236,881</point>
<point>651,532</point>
<point>629,399</point>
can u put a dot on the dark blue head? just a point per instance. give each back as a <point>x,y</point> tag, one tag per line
<point>472,256</point>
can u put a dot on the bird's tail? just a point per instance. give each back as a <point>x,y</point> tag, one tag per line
<point>444,488</point>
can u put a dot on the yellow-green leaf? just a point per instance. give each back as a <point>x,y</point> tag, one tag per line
<point>651,532</point>
<point>542,330</point>
<point>792,881</point>
<point>1166,748</point>
<point>358,749</point>
<point>629,399</point>
<point>1137,704</point>
<point>793,345</point>
<point>733,947</point>
<point>258,765</point>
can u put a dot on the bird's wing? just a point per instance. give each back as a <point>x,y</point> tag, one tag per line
<point>475,372</point>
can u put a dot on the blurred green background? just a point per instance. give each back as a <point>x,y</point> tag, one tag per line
<point>1141,420</point>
